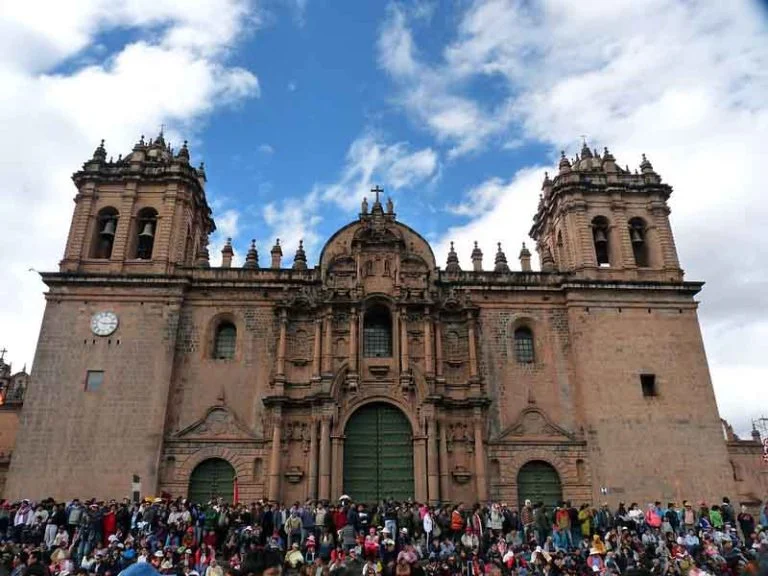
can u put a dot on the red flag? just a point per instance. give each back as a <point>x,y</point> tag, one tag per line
<point>236,495</point>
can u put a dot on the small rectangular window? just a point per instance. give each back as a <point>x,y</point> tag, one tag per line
<point>93,380</point>
<point>648,384</point>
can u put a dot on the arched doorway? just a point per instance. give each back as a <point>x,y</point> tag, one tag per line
<point>538,481</point>
<point>378,454</point>
<point>211,478</point>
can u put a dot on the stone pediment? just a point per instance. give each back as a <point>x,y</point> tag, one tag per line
<point>533,424</point>
<point>219,423</point>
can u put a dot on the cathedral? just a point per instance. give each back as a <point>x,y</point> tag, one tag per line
<point>376,372</point>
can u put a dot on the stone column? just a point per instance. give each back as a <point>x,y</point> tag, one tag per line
<point>433,474</point>
<point>429,364</point>
<point>312,486</point>
<point>404,364</point>
<point>438,350</point>
<point>328,343</point>
<point>472,345</point>
<point>420,468</point>
<point>274,462</point>
<point>353,325</point>
<point>480,476</point>
<point>281,345</point>
<point>660,212</point>
<point>316,349</point>
<point>444,473</point>
<point>324,492</point>
<point>337,478</point>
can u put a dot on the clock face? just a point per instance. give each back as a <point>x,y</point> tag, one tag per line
<point>104,323</point>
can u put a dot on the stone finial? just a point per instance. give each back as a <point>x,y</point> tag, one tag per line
<point>203,257</point>
<point>541,202</point>
<point>277,254</point>
<point>252,257</point>
<point>525,259</point>
<point>452,264</point>
<point>390,206</point>
<point>607,156</point>
<point>201,171</point>
<point>547,262</point>
<point>364,206</point>
<point>565,165</point>
<point>585,151</point>
<point>100,153</point>
<point>477,258</point>
<point>300,259</point>
<point>645,166</point>
<point>183,152</point>
<point>140,144</point>
<point>226,254</point>
<point>500,261</point>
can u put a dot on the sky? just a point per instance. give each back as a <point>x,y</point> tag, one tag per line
<point>455,107</point>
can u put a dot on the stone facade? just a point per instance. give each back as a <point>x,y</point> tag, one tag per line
<point>583,365</point>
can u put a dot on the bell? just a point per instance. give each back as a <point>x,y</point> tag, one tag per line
<point>147,231</point>
<point>600,237</point>
<point>109,228</point>
<point>636,236</point>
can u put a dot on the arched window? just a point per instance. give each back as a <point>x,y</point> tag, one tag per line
<point>104,239</point>
<point>637,233</point>
<point>224,343</point>
<point>600,238</point>
<point>146,225</point>
<point>524,351</point>
<point>377,333</point>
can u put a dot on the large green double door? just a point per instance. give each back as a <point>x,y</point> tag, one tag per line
<point>538,481</point>
<point>378,454</point>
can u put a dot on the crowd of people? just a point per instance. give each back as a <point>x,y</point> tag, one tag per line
<point>173,536</point>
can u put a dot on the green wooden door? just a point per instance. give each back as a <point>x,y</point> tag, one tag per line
<point>378,454</point>
<point>538,481</point>
<point>210,479</point>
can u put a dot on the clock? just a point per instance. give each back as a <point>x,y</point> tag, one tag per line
<point>103,323</point>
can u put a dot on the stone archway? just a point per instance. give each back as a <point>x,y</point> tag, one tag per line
<point>211,478</point>
<point>378,454</point>
<point>538,481</point>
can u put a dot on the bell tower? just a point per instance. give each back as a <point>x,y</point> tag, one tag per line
<point>599,220</point>
<point>145,213</point>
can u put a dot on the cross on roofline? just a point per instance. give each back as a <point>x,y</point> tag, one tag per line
<point>2,354</point>
<point>377,190</point>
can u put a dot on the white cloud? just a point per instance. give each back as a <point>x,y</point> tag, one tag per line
<point>683,81</point>
<point>501,212</point>
<point>291,220</point>
<point>174,72</point>
<point>370,161</point>
<point>266,149</point>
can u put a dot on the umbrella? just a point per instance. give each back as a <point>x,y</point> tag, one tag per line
<point>140,569</point>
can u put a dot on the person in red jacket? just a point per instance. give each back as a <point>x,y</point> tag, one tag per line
<point>109,523</point>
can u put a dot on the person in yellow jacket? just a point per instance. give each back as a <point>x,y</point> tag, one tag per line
<point>585,519</point>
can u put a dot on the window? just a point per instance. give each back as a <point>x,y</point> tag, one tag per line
<point>377,333</point>
<point>93,380</point>
<point>648,384</point>
<point>226,338</point>
<point>637,231</point>
<point>145,230</point>
<point>524,345</point>
<point>600,239</point>
<point>104,239</point>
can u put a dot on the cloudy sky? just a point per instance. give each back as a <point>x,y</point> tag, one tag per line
<point>456,108</point>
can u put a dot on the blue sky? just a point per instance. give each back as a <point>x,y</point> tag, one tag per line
<point>456,108</point>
